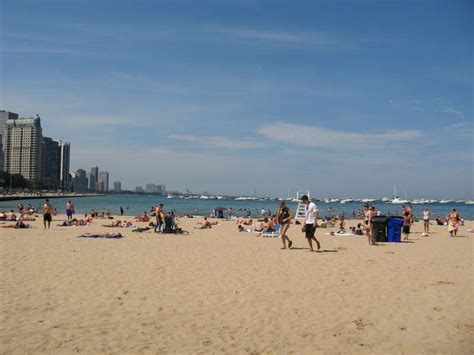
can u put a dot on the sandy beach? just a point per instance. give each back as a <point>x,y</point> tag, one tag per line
<point>220,291</point>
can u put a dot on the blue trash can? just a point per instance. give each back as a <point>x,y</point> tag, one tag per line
<point>394,229</point>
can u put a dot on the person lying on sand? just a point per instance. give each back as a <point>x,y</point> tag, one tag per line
<point>206,224</point>
<point>19,224</point>
<point>245,221</point>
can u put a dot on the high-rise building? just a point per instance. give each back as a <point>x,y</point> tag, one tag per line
<point>117,186</point>
<point>104,176</point>
<point>64,162</point>
<point>160,189</point>
<point>22,147</point>
<point>138,189</point>
<point>50,162</point>
<point>4,117</point>
<point>80,181</point>
<point>93,178</point>
<point>99,186</point>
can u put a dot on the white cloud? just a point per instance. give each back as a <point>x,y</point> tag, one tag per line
<point>453,111</point>
<point>312,136</point>
<point>220,142</point>
<point>298,39</point>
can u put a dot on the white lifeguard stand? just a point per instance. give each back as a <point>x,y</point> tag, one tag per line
<point>301,209</point>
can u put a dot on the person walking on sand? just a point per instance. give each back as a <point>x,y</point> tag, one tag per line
<point>284,219</point>
<point>69,210</point>
<point>121,210</point>
<point>453,219</point>
<point>426,221</point>
<point>311,220</point>
<point>47,214</point>
<point>369,212</point>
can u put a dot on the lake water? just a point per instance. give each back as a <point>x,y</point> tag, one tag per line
<point>137,204</point>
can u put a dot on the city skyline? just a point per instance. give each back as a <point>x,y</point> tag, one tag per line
<point>224,100</point>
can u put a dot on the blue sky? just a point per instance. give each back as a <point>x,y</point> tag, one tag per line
<point>345,98</point>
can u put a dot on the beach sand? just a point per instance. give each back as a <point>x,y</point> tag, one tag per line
<point>220,291</point>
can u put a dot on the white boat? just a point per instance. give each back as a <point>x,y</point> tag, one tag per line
<point>170,196</point>
<point>347,200</point>
<point>366,200</point>
<point>385,199</point>
<point>445,201</point>
<point>397,201</point>
<point>469,202</point>
<point>333,200</point>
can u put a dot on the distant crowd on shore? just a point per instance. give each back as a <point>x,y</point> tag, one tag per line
<point>278,221</point>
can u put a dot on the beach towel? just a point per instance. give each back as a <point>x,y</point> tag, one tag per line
<point>107,236</point>
<point>340,233</point>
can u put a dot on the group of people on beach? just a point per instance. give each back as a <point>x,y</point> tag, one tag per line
<point>282,217</point>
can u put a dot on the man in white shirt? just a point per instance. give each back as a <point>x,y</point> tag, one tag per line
<point>311,222</point>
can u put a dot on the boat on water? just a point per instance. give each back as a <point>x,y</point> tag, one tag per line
<point>368,200</point>
<point>397,201</point>
<point>347,200</point>
<point>469,202</point>
<point>446,201</point>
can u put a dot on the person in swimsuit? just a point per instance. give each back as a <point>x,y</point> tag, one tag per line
<point>160,217</point>
<point>453,219</point>
<point>406,224</point>
<point>368,214</point>
<point>426,221</point>
<point>284,219</point>
<point>47,214</point>
<point>69,210</point>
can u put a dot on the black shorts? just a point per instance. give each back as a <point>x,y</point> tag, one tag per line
<point>406,229</point>
<point>47,217</point>
<point>310,230</point>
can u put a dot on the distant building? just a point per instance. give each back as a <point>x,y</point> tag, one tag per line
<point>104,176</point>
<point>138,189</point>
<point>64,162</point>
<point>4,117</point>
<point>79,182</point>
<point>50,163</point>
<point>22,147</point>
<point>117,186</point>
<point>150,188</point>
<point>93,177</point>
<point>160,189</point>
<point>99,186</point>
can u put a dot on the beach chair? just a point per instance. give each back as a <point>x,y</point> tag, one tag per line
<point>273,234</point>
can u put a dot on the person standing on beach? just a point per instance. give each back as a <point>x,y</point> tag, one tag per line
<point>69,210</point>
<point>406,224</point>
<point>284,219</point>
<point>368,214</point>
<point>310,225</point>
<point>426,221</point>
<point>121,210</point>
<point>160,217</point>
<point>453,219</point>
<point>47,214</point>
